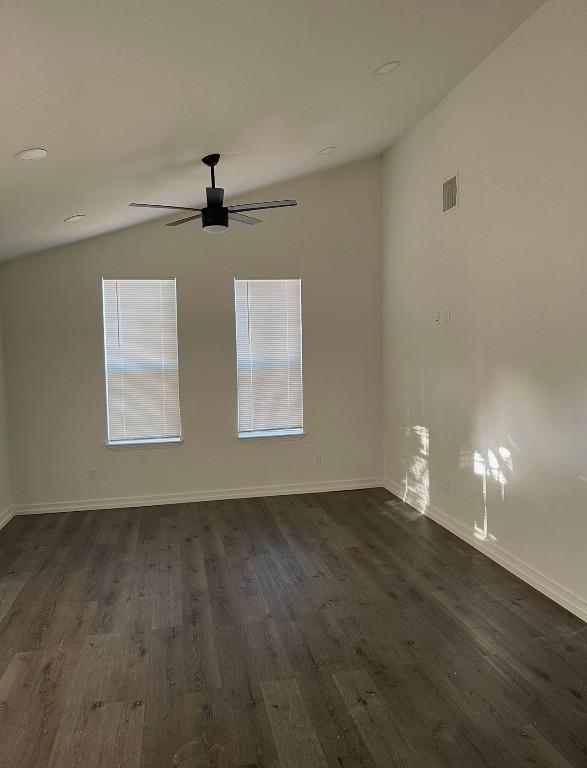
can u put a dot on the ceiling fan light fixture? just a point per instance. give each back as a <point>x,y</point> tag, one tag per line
<point>215,228</point>
<point>386,68</point>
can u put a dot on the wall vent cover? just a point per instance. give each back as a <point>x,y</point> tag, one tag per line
<point>449,194</point>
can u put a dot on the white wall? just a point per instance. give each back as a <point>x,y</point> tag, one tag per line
<point>5,482</point>
<point>53,336</point>
<point>510,265</point>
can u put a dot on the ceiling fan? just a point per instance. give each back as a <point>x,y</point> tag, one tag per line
<point>215,216</point>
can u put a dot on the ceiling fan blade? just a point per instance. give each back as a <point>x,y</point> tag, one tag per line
<point>169,207</point>
<point>258,206</point>
<point>214,195</point>
<point>244,219</point>
<point>183,221</point>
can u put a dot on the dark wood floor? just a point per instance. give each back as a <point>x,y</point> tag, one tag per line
<point>338,629</point>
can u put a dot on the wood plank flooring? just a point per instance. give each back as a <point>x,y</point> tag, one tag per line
<point>315,631</point>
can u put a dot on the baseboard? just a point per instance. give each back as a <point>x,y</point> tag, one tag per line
<point>552,589</point>
<point>6,515</point>
<point>178,498</point>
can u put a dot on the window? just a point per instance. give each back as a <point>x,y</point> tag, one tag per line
<point>269,357</point>
<point>140,344</point>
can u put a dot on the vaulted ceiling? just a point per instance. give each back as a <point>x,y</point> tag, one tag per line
<point>127,96</point>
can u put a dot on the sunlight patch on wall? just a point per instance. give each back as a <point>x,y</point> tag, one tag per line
<point>416,469</point>
<point>492,468</point>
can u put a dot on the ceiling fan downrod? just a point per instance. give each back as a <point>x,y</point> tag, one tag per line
<point>211,161</point>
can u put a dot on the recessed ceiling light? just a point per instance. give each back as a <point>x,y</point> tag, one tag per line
<point>386,68</point>
<point>326,150</point>
<point>34,153</point>
<point>75,218</point>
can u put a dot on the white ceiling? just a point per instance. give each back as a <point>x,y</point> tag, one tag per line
<point>127,96</point>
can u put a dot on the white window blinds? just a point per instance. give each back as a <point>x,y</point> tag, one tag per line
<point>269,357</point>
<point>140,343</point>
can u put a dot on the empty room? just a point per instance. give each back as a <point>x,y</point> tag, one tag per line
<point>293,384</point>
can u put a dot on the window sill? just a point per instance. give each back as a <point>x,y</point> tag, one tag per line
<point>132,444</point>
<point>274,434</point>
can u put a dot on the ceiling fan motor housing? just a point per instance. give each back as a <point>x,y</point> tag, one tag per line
<point>215,216</point>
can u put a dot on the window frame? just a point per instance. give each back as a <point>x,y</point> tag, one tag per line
<point>140,443</point>
<point>295,433</point>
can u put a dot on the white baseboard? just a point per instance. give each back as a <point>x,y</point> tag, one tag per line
<point>6,515</point>
<point>178,498</point>
<point>552,589</point>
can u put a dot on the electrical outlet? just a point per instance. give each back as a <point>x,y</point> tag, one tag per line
<point>91,473</point>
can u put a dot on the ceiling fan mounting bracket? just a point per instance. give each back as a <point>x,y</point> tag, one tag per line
<point>211,160</point>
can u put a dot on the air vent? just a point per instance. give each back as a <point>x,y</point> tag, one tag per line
<point>449,194</point>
